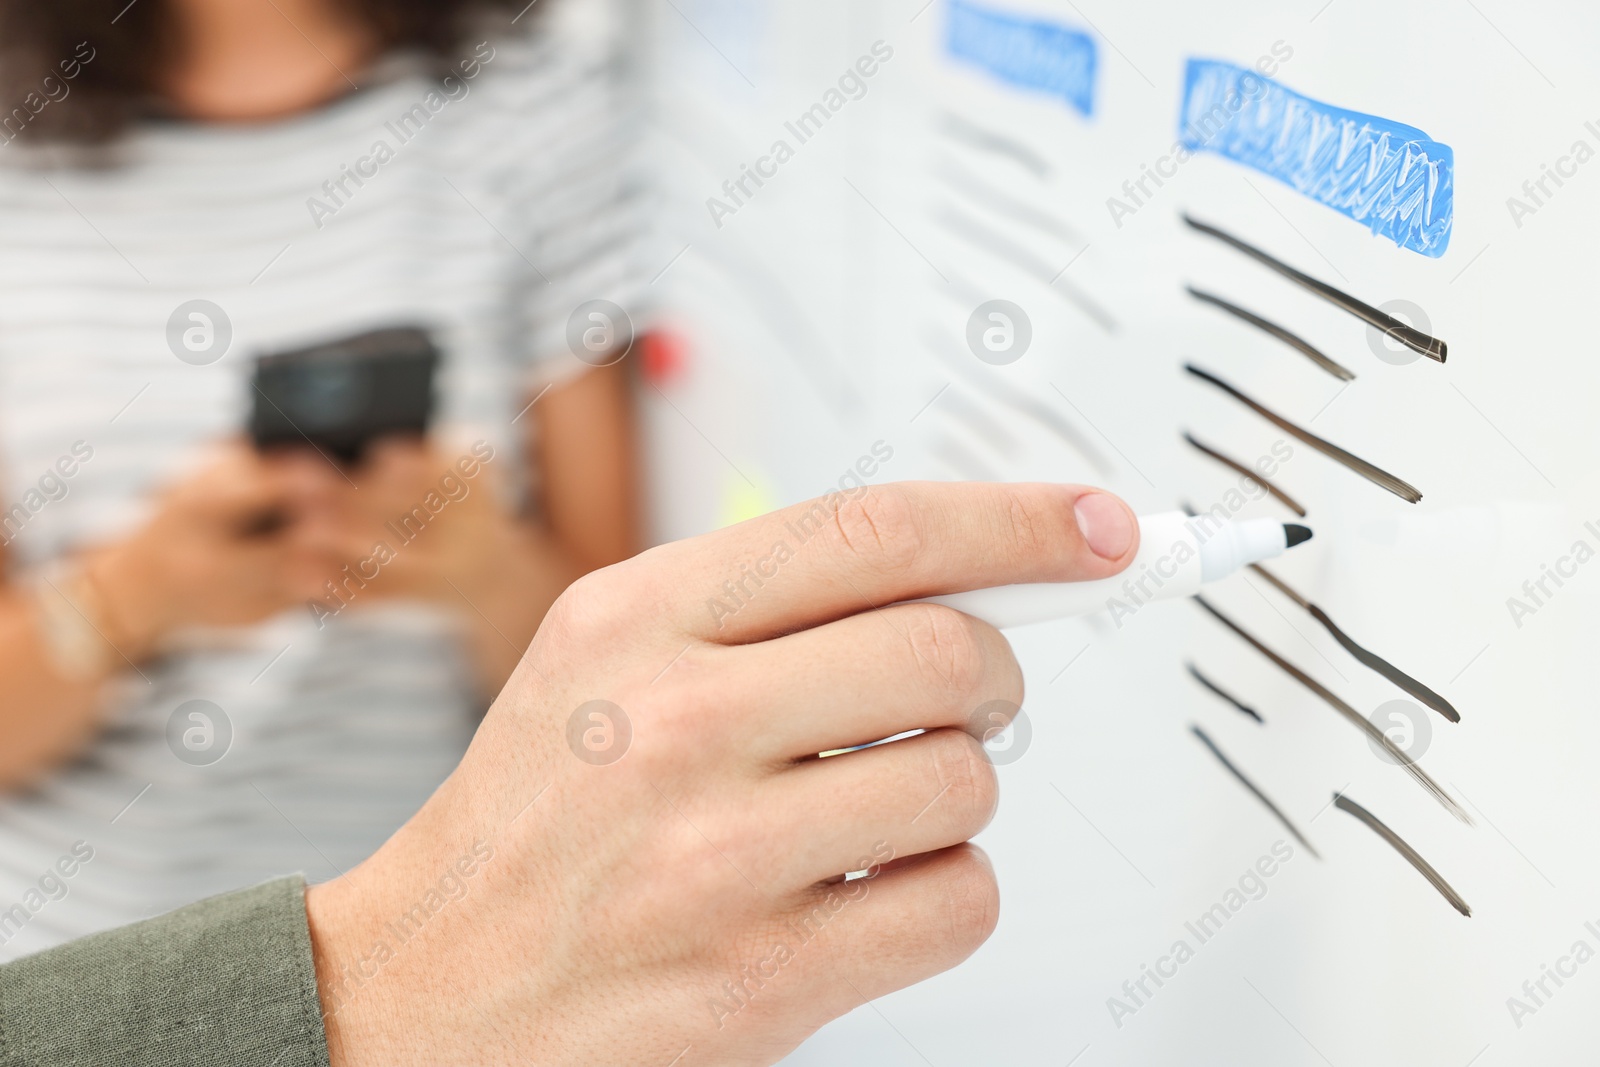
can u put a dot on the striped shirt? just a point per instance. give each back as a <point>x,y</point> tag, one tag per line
<point>486,209</point>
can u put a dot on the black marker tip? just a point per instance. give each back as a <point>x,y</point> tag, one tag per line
<point>1295,534</point>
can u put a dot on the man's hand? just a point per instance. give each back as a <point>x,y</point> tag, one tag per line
<point>640,860</point>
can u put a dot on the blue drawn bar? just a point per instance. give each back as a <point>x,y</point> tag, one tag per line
<point>1390,177</point>
<point>1027,52</point>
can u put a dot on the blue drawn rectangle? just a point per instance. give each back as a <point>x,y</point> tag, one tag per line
<point>1390,177</point>
<point>1030,53</point>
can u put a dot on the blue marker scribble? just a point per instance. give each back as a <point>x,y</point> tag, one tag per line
<point>1027,52</point>
<point>1390,177</point>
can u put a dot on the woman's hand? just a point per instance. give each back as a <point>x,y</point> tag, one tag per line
<point>213,554</point>
<point>412,520</point>
<point>421,521</point>
<point>639,861</point>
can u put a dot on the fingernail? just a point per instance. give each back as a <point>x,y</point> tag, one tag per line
<point>1106,524</point>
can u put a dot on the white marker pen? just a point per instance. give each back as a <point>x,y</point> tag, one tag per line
<point>1177,555</point>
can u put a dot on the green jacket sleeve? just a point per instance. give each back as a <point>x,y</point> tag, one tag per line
<point>227,982</point>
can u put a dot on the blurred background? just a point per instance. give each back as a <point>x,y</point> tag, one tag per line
<point>838,242</point>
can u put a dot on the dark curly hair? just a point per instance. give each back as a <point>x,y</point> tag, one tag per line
<point>44,45</point>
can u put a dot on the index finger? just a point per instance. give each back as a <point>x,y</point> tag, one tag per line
<point>865,548</point>
<point>232,478</point>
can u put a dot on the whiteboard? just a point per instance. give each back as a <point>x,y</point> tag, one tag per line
<point>829,312</point>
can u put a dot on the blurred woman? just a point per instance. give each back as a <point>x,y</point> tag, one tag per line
<point>222,664</point>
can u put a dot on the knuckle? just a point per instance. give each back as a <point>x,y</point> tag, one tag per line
<point>596,607</point>
<point>965,779</point>
<point>696,864</point>
<point>658,743</point>
<point>880,524</point>
<point>678,717</point>
<point>687,717</point>
<point>663,743</point>
<point>1028,531</point>
<point>1003,679</point>
<point>947,647</point>
<point>972,903</point>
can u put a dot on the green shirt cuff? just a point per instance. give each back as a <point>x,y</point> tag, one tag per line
<point>228,982</point>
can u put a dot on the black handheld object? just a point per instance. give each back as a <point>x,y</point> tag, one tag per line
<point>341,395</point>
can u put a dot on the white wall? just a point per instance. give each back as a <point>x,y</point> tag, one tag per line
<point>823,316</point>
